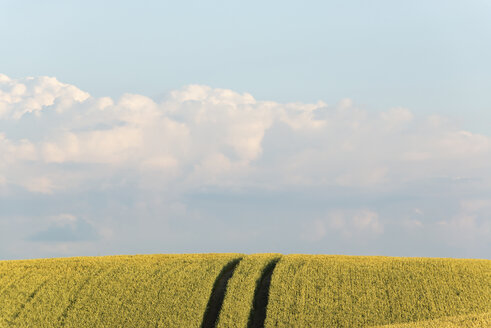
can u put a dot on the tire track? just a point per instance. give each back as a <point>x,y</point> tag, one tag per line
<point>64,314</point>
<point>28,300</point>
<point>14,282</point>
<point>261,297</point>
<point>217,295</point>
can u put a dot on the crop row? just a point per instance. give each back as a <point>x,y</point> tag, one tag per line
<point>120,291</point>
<point>355,291</point>
<point>481,320</point>
<point>234,290</point>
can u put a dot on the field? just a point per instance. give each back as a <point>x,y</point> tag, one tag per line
<point>239,300</point>
<point>234,290</point>
<point>482,320</point>
<point>119,291</point>
<point>349,291</point>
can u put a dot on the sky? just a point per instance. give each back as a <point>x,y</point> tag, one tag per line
<point>325,127</point>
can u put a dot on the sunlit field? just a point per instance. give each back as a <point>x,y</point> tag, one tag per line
<point>234,290</point>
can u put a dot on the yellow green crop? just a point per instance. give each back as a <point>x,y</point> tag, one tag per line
<point>238,303</point>
<point>349,291</point>
<point>234,290</point>
<point>119,291</point>
<point>482,320</point>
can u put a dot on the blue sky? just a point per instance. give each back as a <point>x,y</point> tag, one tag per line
<point>430,56</point>
<point>346,127</point>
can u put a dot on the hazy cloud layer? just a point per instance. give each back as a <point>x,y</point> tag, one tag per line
<point>215,170</point>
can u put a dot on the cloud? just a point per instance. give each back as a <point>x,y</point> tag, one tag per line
<point>349,223</point>
<point>470,225</point>
<point>19,97</point>
<point>367,220</point>
<point>66,228</point>
<point>40,184</point>
<point>204,136</point>
<point>135,155</point>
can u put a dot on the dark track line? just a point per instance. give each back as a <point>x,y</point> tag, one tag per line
<point>261,297</point>
<point>28,300</point>
<point>73,300</point>
<point>218,294</point>
<point>14,282</point>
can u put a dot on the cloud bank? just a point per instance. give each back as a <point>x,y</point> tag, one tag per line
<point>329,178</point>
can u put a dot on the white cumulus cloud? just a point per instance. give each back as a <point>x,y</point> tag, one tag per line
<point>56,139</point>
<point>200,135</point>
